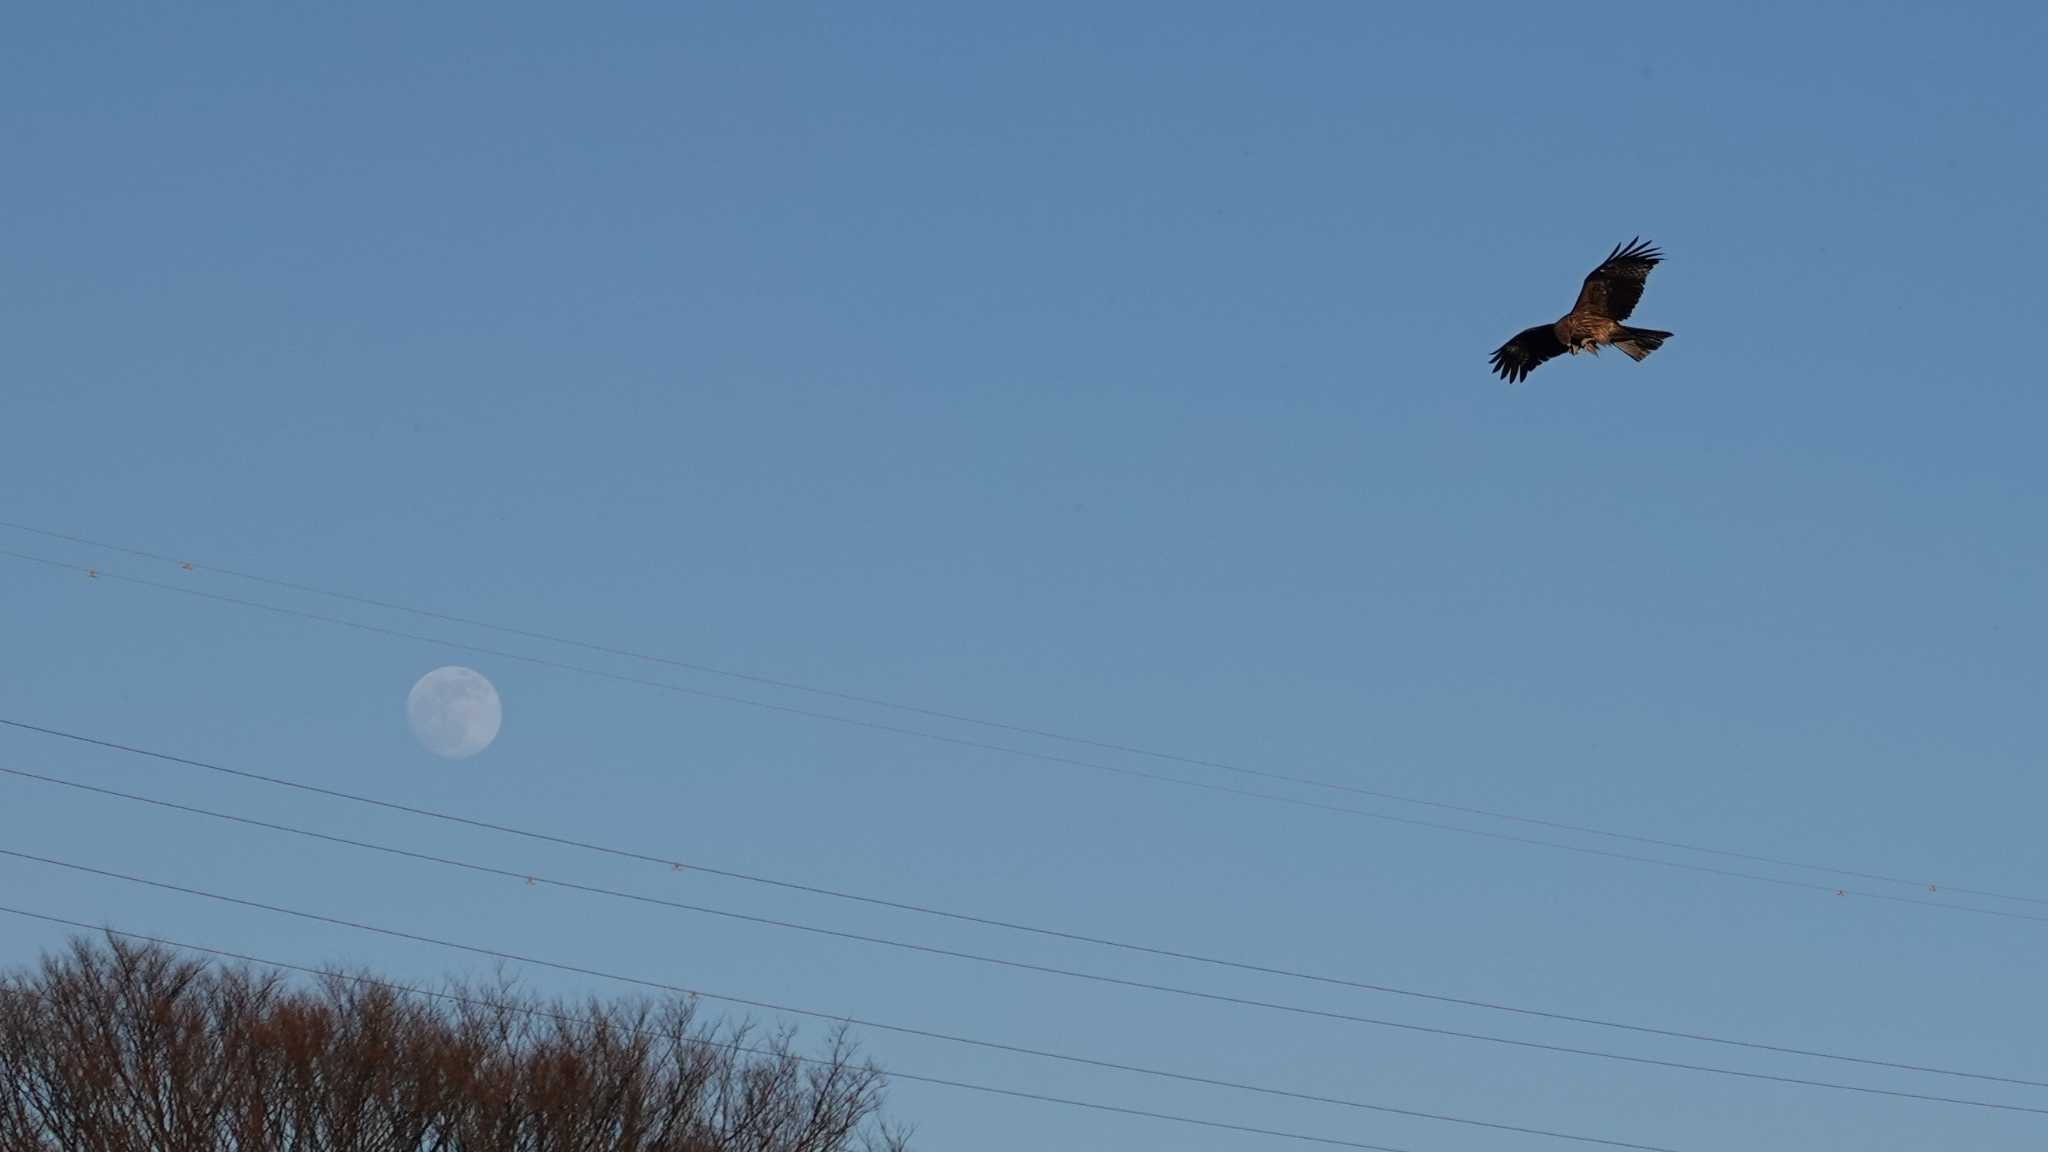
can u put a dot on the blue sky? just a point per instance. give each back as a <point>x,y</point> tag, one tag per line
<point>1120,374</point>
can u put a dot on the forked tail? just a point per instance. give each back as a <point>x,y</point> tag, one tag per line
<point>1640,342</point>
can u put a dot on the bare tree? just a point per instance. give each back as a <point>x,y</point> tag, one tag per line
<point>124,1047</point>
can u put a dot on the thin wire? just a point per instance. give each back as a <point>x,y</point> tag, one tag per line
<point>1151,950</point>
<point>538,1012</point>
<point>1107,1065</point>
<point>501,955</point>
<point>1005,726</point>
<point>1051,758</point>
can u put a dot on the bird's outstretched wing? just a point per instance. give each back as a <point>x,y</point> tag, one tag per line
<point>1518,357</point>
<point>1612,289</point>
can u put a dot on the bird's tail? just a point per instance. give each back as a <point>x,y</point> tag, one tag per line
<point>1640,342</point>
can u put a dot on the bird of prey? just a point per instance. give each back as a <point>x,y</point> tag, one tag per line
<point>1609,295</point>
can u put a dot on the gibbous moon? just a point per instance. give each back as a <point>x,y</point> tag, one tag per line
<point>454,712</point>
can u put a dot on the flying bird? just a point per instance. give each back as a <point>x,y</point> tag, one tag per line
<point>1608,296</point>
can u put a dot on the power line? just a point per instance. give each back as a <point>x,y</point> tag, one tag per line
<point>534,1011</point>
<point>1005,726</point>
<point>919,1033</point>
<point>1338,1016</point>
<point>1047,757</point>
<point>1143,949</point>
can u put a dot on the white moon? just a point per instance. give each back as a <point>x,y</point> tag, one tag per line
<point>454,712</point>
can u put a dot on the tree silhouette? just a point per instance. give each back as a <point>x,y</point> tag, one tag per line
<point>126,1047</point>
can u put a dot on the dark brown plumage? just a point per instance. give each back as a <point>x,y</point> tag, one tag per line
<point>1609,294</point>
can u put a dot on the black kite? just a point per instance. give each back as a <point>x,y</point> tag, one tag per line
<point>1609,295</point>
